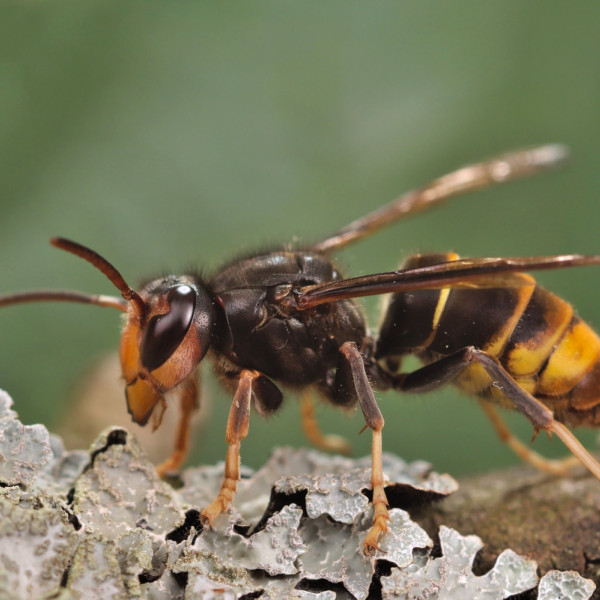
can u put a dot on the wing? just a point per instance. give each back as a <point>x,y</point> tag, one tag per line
<point>462,273</point>
<point>507,167</point>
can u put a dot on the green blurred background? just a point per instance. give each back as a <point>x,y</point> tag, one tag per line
<point>165,135</point>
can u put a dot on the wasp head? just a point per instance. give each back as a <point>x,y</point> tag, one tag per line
<point>162,345</point>
<point>167,332</point>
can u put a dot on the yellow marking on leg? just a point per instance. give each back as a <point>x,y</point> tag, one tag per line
<point>237,429</point>
<point>380,503</point>
<point>228,487</point>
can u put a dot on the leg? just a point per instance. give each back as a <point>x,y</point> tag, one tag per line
<point>555,467</point>
<point>237,429</point>
<point>374,420</point>
<point>331,442</point>
<point>540,416</point>
<point>189,401</point>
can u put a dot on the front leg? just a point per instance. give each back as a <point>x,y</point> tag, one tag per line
<point>357,383</point>
<point>237,429</point>
<point>189,400</point>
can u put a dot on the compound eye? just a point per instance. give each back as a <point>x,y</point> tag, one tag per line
<point>165,332</point>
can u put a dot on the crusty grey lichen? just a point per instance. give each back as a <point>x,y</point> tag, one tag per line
<point>24,449</point>
<point>274,549</point>
<point>555,585</point>
<point>36,543</point>
<point>120,490</point>
<point>450,576</point>
<point>101,524</point>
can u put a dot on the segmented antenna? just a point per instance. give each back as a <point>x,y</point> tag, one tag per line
<point>105,267</point>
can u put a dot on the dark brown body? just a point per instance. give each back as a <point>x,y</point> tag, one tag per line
<point>533,333</point>
<point>259,327</point>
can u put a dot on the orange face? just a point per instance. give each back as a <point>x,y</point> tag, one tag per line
<point>162,347</point>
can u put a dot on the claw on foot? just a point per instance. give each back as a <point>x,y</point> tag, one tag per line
<point>380,526</point>
<point>336,443</point>
<point>213,510</point>
<point>221,502</point>
<point>168,468</point>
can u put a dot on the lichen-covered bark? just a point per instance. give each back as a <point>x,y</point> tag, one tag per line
<point>555,521</point>
<point>101,524</point>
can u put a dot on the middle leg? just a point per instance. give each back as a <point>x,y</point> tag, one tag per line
<point>325,441</point>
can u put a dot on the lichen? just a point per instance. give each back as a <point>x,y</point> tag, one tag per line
<point>564,585</point>
<point>450,577</point>
<point>24,449</point>
<point>36,543</point>
<point>101,524</point>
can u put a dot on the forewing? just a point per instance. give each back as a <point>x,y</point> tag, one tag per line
<point>463,273</point>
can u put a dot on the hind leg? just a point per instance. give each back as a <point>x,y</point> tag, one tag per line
<point>540,416</point>
<point>547,465</point>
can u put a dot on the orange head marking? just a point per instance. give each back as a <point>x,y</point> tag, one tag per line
<point>168,330</point>
<point>158,353</point>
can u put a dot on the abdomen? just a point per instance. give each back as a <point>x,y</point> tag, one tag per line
<point>534,334</point>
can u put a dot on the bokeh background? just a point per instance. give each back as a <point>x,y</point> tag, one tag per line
<point>165,135</point>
